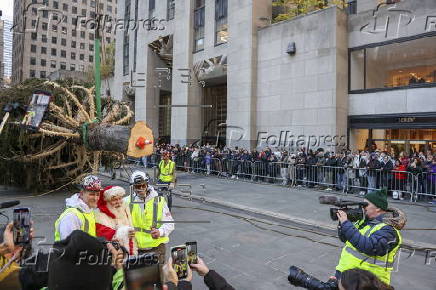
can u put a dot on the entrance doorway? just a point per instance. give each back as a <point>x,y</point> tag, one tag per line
<point>214,118</point>
<point>165,118</point>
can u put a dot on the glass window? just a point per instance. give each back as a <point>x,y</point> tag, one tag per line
<point>32,48</point>
<point>82,34</point>
<point>73,44</point>
<point>44,26</point>
<point>82,56</point>
<point>55,4</point>
<point>32,73</point>
<point>126,40</point>
<point>74,10</point>
<point>221,32</point>
<point>72,67</point>
<point>402,64</point>
<point>81,67</point>
<point>91,58</point>
<point>74,32</point>
<point>63,42</point>
<point>171,9</point>
<point>53,51</point>
<point>65,7</point>
<point>199,25</point>
<point>33,60</point>
<point>43,62</point>
<point>73,55</point>
<point>42,74</point>
<point>43,50</point>
<point>54,40</point>
<point>63,65</point>
<point>44,38</point>
<point>34,36</point>
<point>82,45</point>
<point>53,64</point>
<point>63,53</point>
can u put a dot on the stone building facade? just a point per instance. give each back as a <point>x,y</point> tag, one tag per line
<point>219,72</point>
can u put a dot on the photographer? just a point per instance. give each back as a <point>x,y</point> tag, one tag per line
<point>370,244</point>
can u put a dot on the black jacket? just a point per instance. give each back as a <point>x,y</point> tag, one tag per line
<point>215,282</point>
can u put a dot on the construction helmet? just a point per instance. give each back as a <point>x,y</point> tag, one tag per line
<point>138,177</point>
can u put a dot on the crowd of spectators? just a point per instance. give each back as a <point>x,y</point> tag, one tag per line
<point>358,171</point>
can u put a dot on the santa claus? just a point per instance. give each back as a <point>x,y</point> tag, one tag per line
<point>113,220</point>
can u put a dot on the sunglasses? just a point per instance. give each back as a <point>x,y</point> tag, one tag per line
<point>140,186</point>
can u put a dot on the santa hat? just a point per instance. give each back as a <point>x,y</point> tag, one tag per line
<point>105,195</point>
<point>112,191</point>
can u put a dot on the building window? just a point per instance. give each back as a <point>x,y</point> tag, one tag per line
<point>91,36</point>
<point>44,26</point>
<point>34,36</point>
<point>43,62</point>
<point>352,7</point>
<point>65,7</point>
<point>44,38</point>
<point>54,28</point>
<point>109,9</point>
<point>81,67</point>
<point>393,64</point>
<point>43,50</point>
<point>55,4</point>
<point>74,9</point>
<point>199,25</point>
<point>74,33</point>
<point>82,45</point>
<point>171,9</point>
<point>151,8</point>
<point>33,61</point>
<point>73,55</point>
<point>33,23</point>
<point>221,30</point>
<point>32,73</point>
<point>32,48</point>
<point>91,47</point>
<point>53,52</point>
<point>126,40</point>
<point>52,64</point>
<point>73,44</point>
<point>63,65</point>
<point>93,4</point>
<point>91,58</point>
<point>84,2</point>
<point>44,13</point>
<point>64,30</point>
<point>63,53</point>
<point>82,34</point>
<point>83,12</point>
<point>63,42</point>
<point>54,40</point>
<point>82,56</point>
<point>34,11</point>
<point>65,19</point>
<point>72,67</point>
<point>42,74</point>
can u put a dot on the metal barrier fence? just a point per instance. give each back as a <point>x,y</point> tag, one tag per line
<point>348,180</point>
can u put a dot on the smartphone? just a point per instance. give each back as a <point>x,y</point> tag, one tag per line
<point>180,261</point>
<point>191,250</point>
<point>21,226</point>
<point>142,273</point>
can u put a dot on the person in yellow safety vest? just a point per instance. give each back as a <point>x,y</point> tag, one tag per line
<point>371,244</point>
<point>79,214</point>
<point>166,169</point>
<point>151,217</point>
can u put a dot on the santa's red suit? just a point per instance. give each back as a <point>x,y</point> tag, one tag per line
<point>114,223</point>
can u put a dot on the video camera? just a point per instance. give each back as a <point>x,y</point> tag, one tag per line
<point>299,278</point>
<point>354,214</point>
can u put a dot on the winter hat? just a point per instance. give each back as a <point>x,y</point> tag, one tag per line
<point>379,198</point>
<point>79,262</point>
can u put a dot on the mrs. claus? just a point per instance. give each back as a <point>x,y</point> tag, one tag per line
<point>113,220</point>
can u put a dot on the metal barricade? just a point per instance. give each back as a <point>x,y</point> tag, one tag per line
<point>425,185</point>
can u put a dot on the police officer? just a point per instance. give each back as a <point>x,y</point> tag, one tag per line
<point>147,211</point>
<point>370,244</point>
<point>79,214</point>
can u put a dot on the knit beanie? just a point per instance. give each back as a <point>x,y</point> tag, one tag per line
<point>379,198</point>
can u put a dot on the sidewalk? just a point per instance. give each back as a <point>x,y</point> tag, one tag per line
<point>298,204</point>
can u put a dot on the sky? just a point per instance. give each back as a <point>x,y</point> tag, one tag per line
<point>7,6</point>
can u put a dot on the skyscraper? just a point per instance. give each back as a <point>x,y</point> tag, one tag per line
<point>57,35</point>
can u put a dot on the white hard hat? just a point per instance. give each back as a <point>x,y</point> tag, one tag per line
<point>138,177</point>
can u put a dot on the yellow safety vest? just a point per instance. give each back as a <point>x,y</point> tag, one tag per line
<point>381,266</point>
<point>165,171</point>
<point>86,219</point>
<point>143,222</point>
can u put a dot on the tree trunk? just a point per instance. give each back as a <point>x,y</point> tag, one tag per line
<point>106,137</point>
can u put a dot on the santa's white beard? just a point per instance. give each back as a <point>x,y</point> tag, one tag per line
<point>121,217</point>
